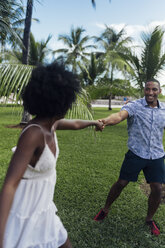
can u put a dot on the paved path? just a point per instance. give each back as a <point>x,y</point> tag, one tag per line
<point>105,103</point>
<point>106,106</point>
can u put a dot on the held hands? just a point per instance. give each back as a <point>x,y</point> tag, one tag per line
<point>99,126</point>
<point>104,121</point>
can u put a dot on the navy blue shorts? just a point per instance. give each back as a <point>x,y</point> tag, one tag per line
<point>154,170</point>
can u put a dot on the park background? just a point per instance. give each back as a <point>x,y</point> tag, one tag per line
<point>114,47</point>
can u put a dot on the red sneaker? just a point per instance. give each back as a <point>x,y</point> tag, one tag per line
<point>153,227</point>
<point>100,216</point>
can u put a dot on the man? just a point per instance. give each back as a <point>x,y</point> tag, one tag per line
<point>146,122</point>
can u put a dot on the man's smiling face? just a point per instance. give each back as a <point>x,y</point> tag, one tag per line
<point>151,92</point>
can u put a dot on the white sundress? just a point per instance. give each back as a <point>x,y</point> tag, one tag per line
<point>32,221</point>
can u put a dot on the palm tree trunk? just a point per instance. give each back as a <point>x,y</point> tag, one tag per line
<point>110,98</point>
<point>26,40</point>
<point>110,95</point>
<point>26,36</point>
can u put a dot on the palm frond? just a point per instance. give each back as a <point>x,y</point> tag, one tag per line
<point>151,53</point>
<point>93,3</point>
<point>13,79</point>
<point>81,108</point>
<point>5,28</point>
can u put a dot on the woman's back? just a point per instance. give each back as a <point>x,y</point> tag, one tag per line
<point>32,221</point>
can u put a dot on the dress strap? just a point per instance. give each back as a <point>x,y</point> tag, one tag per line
<point>31,126</point>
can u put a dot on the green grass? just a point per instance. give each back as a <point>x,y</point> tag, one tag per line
<point>87,166</point>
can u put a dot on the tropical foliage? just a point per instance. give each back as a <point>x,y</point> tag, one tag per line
<point>76,47</point>
<point>120,87</point>
<point>92,71</point>
<point>13,80</point>
<point>38,52</point>
<point>105,66</point>
<point>151,61</point>
<point>94,3</point>
<point>10,16</point>
<point>14,77</point>
<point>114,45</point>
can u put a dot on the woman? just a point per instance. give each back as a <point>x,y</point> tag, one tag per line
<point>28,216</point>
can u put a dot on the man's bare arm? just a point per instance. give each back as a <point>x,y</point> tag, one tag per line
<point>116,118</point>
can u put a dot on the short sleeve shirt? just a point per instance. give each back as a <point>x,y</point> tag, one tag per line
<point>145,128</point>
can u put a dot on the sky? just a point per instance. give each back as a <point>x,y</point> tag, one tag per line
<point>58,16</point>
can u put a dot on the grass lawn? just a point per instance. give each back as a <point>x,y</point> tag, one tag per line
<point>87,166</point>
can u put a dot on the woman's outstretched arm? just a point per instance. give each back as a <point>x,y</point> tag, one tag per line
<point>65,124</point>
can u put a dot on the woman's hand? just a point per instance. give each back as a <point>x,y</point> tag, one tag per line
<point>99,125</point>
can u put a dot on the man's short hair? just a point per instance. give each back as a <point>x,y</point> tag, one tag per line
<point>152,80</point>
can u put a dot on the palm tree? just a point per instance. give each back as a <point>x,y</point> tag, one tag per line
<point>38,52</point>
<point>15,77</point>
<point>92,70</point>
<point>94,3</point>
<point>26,36</point>
<point>113,44</point>
<point>7,15</point>
<point>150,63</point>
<point>10,13</point>
<point>120,87</point>
<point>76,47</point>
<point>25,52</point>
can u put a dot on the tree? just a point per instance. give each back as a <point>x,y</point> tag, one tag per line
<point>26,39</point>
<point>14,71</point>
<point>92,70</point>
<point>76,47</point>
<point>27,28</point>
<point>114,46</point>
<point>25,52</point>
<point>94,3</point>
<point>10,13</point>
<point>38,51</point>
<point>120,87</point>
<point>151,61</point>
<point>15,77</point>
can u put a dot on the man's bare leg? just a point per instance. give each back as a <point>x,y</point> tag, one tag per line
<point>154,200</point>
<point>114,193</point>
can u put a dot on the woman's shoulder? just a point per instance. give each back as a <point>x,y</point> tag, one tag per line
<point>32,128</point>
<point>32,133</point>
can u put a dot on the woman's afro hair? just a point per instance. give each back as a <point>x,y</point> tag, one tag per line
<point>51,91</point>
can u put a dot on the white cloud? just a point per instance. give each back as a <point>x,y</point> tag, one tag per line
<point>133,30</point>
